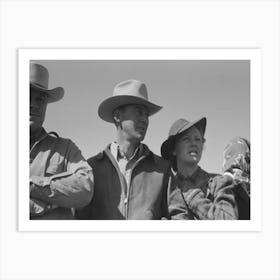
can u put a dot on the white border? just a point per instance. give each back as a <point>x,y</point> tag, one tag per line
<point>254,55</point>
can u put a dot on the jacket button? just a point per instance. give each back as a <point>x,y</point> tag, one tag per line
<point>125,201</point>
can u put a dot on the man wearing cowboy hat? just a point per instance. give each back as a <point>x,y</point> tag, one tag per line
<point>60,178</point>
<point>130,181</point>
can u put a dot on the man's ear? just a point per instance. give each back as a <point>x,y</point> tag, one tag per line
<point>117,116</point>
<point>116,119</point>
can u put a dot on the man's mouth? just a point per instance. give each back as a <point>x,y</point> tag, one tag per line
<point>34,115</point>
<point>193,153</point>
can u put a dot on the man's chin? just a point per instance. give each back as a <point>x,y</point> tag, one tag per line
<point>194,161</point>
<point>141,136</point>
<point>34,126</point>
<point>138,138</point>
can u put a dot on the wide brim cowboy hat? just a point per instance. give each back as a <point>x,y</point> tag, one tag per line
<point>39,80</point>
<point>129,92</point>
<point>177,128</point>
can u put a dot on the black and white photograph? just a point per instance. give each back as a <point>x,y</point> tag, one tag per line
<point>152,146</point>
<point>142,139</point>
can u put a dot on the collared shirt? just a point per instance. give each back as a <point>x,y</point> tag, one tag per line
<point>59,176</point>
<point>125,164</point>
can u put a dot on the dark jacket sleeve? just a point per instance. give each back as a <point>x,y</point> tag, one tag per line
<point>242,199</point>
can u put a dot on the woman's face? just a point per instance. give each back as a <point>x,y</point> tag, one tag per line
<point>189,146</point>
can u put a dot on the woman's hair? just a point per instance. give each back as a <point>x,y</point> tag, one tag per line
<point>173,161</point>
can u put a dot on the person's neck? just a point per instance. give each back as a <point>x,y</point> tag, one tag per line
<point>186,169</point>
<point>34,135</point>
<point>127,147</point>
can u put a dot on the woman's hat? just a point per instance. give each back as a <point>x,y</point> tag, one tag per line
<point>126,93</point>
<point>39,79</point>
<point>177,128</point>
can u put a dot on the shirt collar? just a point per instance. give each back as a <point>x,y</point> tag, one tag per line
<point>182,177</point>
<point>115,150</point>
<point>41,134</point>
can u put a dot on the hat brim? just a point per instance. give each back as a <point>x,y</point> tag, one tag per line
<point>53,95</point>
<point>106,108</point>
<point>168,145</point>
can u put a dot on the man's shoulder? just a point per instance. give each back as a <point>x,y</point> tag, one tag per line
<point>53,136</point>
<point>96,157</point>
<point>99,156</point>
<point>61,142</point>
<point>157,160</point>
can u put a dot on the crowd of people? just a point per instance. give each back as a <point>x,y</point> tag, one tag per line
<point>127,180</point>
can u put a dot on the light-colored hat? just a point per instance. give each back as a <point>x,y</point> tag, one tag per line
<point>177,128</point>
<point>39,79</point>
<point>126,93</point>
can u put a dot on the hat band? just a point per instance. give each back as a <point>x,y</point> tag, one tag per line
<point>39,85</point>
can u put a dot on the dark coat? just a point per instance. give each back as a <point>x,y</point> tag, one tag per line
<point>146,197</point>
<point>242,199</point>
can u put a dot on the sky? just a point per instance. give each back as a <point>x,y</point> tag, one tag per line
<point>216,89</point>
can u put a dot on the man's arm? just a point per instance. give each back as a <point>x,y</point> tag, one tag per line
<point>72,188</point>
<point>37,208</point>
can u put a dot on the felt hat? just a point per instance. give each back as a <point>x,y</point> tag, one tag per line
<point>128,92</point>
<point>177,128</point>
<point>39,80</point>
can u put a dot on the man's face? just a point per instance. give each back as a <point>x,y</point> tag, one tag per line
<point>38,105</point>
<point>189,145</point>
<point>134,121</point>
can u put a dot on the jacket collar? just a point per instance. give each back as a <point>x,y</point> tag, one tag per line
<point>42,134</point>
<point>146,152</point>
<point>117,154</point>
<point>198,174</point>
<point>39,136</point>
